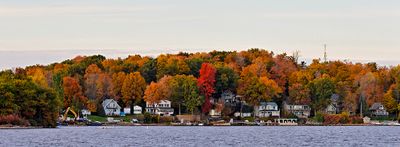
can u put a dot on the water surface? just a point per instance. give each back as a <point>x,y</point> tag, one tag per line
<point>203,136</point>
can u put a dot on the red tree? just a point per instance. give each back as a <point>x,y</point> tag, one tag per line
<point>73,96</point>
<point>206,83</point>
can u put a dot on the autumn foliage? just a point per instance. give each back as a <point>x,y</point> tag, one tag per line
<point>206,83</point>
<point>194,83</point>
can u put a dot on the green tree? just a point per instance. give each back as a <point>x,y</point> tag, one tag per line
<point>185,91</point>
<point>149,71</point>
<point>226,79</point>
<point>321,90</point>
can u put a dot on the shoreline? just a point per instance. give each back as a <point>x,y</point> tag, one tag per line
<point>164,125</point>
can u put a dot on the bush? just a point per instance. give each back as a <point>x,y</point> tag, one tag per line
<point>148,118</point>
<point>166,119</point>
<point>226,118</point>
<point>250,119</point>
<point>356,120</point>
<point>319,117</point>
<point>331,119</point>
<point>265,119</point>
<point>343,118</point>
<point>13,120</point>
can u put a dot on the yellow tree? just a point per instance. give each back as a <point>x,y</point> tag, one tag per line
<point>389,100</point>
<point>92,74</point>
<point>255,89</point>
<point>133,89</point>
<point>158,91</point>
<point>38,76</point>
<point>117,82</point>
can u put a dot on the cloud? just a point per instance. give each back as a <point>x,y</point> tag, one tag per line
<point>55,10</point>
<point>356,14</point>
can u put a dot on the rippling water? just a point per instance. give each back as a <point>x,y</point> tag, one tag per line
<point>203,136</point>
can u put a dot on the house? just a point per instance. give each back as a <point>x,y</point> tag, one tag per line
<point>215,113</point>
<point>366,120</point>
<point>127,110</point>
<point>85,113</point>
<point>137,109</point>
<point>335,99</point>
<point>243,114</point>
<point>301,111</point>
<point>267,109</point>
<point>377,109</point>
<point>244,111</point>
<point>111,107</point>
<point>331,109</point>
<point>228,97</point>
<point>162,108</point>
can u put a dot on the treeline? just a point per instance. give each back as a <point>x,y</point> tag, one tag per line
<point>191,80</point>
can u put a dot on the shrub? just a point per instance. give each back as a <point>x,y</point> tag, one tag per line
<point>344,118</point>
<point>139,117</point>
<point>13,120</point>
<point>356,120</point>
<point>265,119</point>
<point>250,119</point>
<point>319,117</point>
<point>166,119</point>
<point>226,118</point>
<point>147,118</point>
<point>331,119</point>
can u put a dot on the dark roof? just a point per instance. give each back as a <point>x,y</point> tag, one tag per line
<point>375,106</point>
<point>108,101</point>
<point>335,97</point>
<point>166,109</point>
<point>268,103</point>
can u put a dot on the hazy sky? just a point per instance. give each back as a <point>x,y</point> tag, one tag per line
<point>44,31</point>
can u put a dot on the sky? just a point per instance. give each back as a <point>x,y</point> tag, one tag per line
<point>46,31</point>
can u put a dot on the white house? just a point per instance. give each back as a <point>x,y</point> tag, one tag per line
<point>244,114</point>
<point>366,120</point>
<point>85,113</point>
<point>331,109</point>
<point>127,110</point>
<point>162,108</point>
<point>377,109</point>
<point>214,113</point>
<point>111,107</point>
<point>137,110</point>
<point>267,109</point>
<point>301,111</point>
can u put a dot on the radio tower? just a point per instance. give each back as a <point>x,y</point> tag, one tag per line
<point>325,56</point>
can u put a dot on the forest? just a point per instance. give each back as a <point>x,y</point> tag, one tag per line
<point>193,82</point>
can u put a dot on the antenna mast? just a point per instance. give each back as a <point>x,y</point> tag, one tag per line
<point>325,56</point>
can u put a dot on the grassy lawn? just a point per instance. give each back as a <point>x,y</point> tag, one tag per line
<point>97,118</point>
<point>127,118</point>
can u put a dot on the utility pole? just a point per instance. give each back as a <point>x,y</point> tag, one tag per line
<point>361,104</point>
<point>325,56</point>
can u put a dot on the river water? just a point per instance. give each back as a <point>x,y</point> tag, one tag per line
<point>204,136</point>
